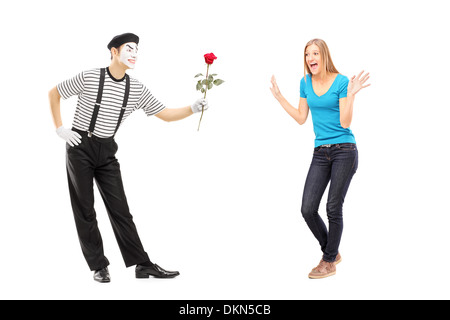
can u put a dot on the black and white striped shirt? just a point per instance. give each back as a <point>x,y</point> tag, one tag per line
<point>85,85</point>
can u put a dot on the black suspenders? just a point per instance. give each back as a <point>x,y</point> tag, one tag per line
<point>99,100</point>
<point>125,101</point>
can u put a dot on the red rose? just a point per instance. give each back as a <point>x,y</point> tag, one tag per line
<point>209,58</point>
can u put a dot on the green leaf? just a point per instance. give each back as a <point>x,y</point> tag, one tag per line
<point>198,75</point>
<point>214,74</point>
<point>210,78</point>
<point>218,82</point>
<point>210,85</point>
<point>199,85</point>
<point>204,82</point>
<point>203,90</point>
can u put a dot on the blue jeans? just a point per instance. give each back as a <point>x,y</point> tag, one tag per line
<point>336,164</point>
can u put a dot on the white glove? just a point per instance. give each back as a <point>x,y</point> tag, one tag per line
<point>71,137</point>
<point>197,105</point>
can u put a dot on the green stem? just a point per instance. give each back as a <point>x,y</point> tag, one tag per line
<point>206,89</point>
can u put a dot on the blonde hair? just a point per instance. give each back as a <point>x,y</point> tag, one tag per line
<point>324,56</point>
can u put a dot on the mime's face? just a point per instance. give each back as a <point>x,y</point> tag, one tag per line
<point>128,54</point>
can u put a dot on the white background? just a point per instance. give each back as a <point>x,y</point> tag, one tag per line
<point>222,205</point>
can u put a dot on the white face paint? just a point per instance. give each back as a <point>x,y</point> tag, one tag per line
<point>128,54</point>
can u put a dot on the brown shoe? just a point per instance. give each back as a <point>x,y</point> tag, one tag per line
<point>323,270</point>
<point>338,259</point>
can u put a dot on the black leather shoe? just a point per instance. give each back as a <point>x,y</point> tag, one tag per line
<point>102,275</point>
<point>143,272</point>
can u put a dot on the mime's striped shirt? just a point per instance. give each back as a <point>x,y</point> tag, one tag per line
<point>86,84</point>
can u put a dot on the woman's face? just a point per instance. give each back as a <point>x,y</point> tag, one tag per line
<point>313,59</point>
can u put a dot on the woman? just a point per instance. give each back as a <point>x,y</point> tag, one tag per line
<point>330,97</point>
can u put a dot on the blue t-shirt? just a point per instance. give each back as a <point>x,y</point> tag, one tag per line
<point>325,111</point>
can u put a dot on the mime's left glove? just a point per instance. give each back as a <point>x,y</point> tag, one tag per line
<point>71,137</point>
<point>197,105</point>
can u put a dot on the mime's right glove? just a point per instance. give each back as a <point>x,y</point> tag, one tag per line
<point>71,137</point>
<point>197,105</point>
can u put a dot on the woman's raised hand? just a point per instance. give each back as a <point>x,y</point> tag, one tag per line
<point>275,90</point>
<point>357,83</point>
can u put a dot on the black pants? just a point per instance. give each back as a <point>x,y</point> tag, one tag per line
<point>336,166</point>
<point>94,158</point>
